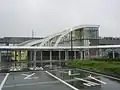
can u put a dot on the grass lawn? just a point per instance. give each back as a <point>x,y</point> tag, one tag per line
<point>112,67</point>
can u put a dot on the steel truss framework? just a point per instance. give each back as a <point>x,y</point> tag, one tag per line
<point>54,39</point>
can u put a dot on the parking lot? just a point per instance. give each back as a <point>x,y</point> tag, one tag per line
<point>61,79</point>
<point>32,81</point>
<point>2,75</point>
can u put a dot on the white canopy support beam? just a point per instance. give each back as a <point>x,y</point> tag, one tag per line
<point>0,57</point>
<point>56,48</point>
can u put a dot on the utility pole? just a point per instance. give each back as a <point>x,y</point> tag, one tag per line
<point>32,33</point>
<point>71,45</point>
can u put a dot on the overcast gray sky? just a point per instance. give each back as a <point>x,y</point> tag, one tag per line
<point>19,17</point>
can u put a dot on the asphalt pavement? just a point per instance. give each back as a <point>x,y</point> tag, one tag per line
<point>40,80</point>
<point>32,81</point>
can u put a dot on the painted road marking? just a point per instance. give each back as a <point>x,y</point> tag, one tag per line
<point>76,74</point>
<point>29,76</point>
<point>29,84</point>
<point>99,74</point>
<point>25,74</point>
<point>97,79</point>
<point>4,80</point>
<point>87,82</point>
<point>36,83</point>
<point>74,88</point>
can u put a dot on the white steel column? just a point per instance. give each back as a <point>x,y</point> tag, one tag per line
<point>88,53</point>
<point>113,54</point>
<point>30,55</point>
<point>0,56</point>
<point>19,53</point>
<point>66,55</point>
<point>100,53</point>
<point>19,58</point>
<point>81,55</point>
<point>34,59</point>
<point>59,52</point>
<point>97,53</point>
<point>74,54</point>
<point>84,54</point>
<point>31,58</point>
<point>50,59</point>
<point>41,57</point>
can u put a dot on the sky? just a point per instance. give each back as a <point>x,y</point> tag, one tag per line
<point>19,17</point>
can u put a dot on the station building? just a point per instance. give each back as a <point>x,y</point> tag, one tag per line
<point>57,48</point>
<point>83,35</point>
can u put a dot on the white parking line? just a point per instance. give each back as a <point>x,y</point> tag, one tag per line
<point>74,88</point>
<point>76,74</point>
<point>28,76</point>
<point>100,74</point>
<point>4,80</point>
<point>97,80</point>
<point>25,74</point>
<point>29,84</point>
<point>88,82</point>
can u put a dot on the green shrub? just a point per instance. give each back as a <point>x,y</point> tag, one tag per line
<point>97,65</point>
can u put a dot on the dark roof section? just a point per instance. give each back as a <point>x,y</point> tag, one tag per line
<point>109,41</point>
<point>16,40</point>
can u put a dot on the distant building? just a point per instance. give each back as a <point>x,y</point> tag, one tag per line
<point>7,41</point>
<point>93,37</point>
<point>109,41</point>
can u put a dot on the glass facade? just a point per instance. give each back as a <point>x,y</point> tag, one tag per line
<point>82,37</point>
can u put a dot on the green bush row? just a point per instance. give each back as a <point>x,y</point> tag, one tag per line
<point>100,66</point>
<point>105,59</point>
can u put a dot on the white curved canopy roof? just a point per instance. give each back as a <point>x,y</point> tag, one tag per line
<point>59,36</point>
